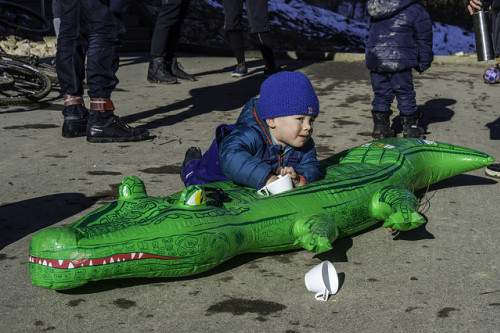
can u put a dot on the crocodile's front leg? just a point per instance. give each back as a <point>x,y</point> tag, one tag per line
<point>315,233</point>
<point>398,208</point>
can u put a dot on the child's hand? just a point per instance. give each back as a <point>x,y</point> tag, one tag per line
<point>422,67</point>
<point>297,181</point>
<point>271,179</point>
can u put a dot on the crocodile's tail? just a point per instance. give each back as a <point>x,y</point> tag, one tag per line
<point>430,160</point>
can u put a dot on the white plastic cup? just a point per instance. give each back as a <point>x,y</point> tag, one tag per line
<point>323,280</point>
<point>282,184</point>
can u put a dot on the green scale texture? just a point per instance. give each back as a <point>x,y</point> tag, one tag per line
<point>142,236</point>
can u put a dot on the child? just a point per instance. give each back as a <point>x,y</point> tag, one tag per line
<point>400,39</point>
<point>272,136</point>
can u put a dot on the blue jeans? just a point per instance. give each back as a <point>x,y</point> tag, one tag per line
<point>88,27</point>
<point>386,86</point>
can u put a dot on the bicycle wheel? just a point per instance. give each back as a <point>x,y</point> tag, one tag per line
<point>49,69</point>
<point>23,20</point>
<point>29,85</point>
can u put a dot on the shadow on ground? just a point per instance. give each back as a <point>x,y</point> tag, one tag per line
<point>224,97</point>
<point>433,111</point>
<point>24,217</point>
<point>494,127</point>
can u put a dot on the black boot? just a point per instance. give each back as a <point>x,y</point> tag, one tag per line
<point>192,154</point>
<point>177,70</point>
<point>75,116</point>
<point>74,127</point>
<point>113,129</point>
<point>104,126</point>
<point>75,123</point>
<point>410,126</point>
<point>382,125</point>
<point>158,73</point>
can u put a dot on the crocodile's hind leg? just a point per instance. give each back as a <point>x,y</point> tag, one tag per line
<point>398,208</point>
<point>315,233</point>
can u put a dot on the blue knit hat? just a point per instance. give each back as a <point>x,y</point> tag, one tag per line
<point>287,94</point>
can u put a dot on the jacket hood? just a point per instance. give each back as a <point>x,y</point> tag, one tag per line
<point>381,9</point>
<point>249,118</point>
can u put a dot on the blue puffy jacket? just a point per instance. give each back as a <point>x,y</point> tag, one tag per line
<point>400,36</point>
<point>248,156</point>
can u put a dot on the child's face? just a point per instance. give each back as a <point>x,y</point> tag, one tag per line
<point>291,131</point>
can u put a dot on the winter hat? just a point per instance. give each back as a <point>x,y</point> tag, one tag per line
<point>287,94</point>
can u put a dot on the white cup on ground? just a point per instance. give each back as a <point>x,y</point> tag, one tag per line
<point>282,184</point>
<point>323,280</point>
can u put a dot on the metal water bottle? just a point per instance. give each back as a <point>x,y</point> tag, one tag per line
<point>482,31</point>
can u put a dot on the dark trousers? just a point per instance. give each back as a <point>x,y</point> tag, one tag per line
<point>166,34</point>
<point>386,86</point>
<point>87,28</point>
<point>495,15</point>
<point>257,12</point>
<point>258,19</point>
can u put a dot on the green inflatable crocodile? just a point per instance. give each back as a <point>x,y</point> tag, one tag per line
<point>199,228</point>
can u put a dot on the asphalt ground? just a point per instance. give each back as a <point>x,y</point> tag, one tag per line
<point>444,277</point>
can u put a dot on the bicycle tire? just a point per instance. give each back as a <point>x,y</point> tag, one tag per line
<point>23,20</point>
<point>48,69</point>
<point>30,85</point>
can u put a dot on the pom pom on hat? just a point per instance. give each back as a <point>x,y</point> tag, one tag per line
<point>287,94</point>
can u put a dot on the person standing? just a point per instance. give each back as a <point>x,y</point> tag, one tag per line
<point>163,64</point>
<point>400,39</point>
<point>258,18</point>
<point>89,28</point>
<point>494,7</point>
<point>492,170</point>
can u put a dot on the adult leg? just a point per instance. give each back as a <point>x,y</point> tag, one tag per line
<point>258,18</point>
<point>233,13</point>
<point>102,59</point>
<point>102,64</point>
<point>495,15</point>
<point>172,46</point>
<point>70,66</point>
<point>176,11</point>
<point>402,83</point>
<point>236,39</point>
<point>168,15</point>
<point>493,170</point>
<point>381,112</point>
